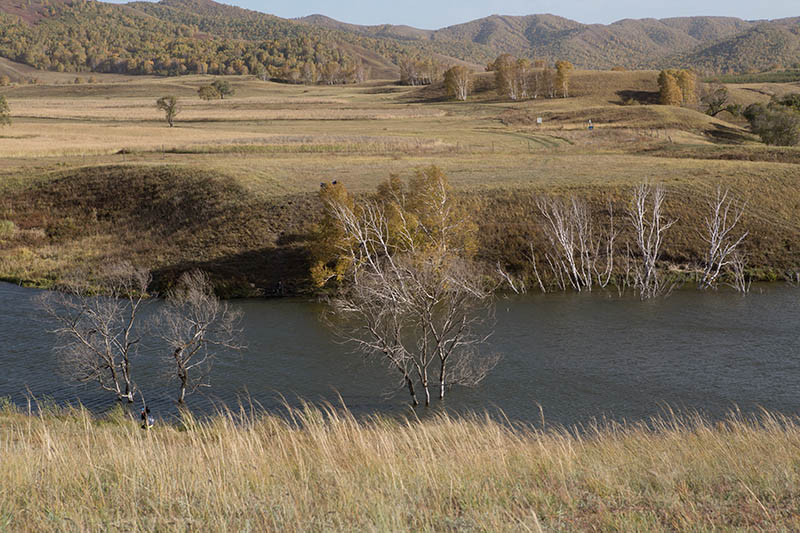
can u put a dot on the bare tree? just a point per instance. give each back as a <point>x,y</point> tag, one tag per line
<point>738,268</point>
<point>99,335</point>
<point>410,298</point>
<point>197,327</point>
<point>649,226</point>
<point>579,256</point>
<point>719,236</point>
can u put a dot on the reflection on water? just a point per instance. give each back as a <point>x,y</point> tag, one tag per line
<point>577,356</point>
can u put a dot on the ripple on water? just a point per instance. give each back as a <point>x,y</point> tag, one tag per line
<point>578,356</point>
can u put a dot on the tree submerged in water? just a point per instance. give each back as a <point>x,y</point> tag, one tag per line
<point>102,325</point>
<point>100,335</point>
<point>196,326</point>
<point>407,290</point>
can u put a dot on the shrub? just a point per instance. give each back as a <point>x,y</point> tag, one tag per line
<point>208,92</point>
<point>776,125</point>
<point>7,229</point>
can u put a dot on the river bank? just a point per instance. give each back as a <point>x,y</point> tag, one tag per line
<point>172,219</point>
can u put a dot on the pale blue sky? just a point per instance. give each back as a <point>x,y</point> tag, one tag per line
<point>432,14</point>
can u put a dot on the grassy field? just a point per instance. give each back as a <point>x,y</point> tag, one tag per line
<point>324,470</point>
<point>90,174</point>
<point>263,152</point>
<point>778,76</point>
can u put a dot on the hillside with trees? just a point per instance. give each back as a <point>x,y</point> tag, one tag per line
<point>174,37</point>
<point>739,45</point>
<point>768,46</point>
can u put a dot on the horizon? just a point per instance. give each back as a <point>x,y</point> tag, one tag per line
<point>418,14</point>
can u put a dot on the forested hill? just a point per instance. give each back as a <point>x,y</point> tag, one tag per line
<point>713,44</point>
<point>174,37</point>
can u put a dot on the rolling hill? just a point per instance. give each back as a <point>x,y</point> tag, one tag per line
<point>715,44</point>
<point>174,37</point>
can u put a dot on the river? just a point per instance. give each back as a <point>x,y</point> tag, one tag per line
<point>577,356</point>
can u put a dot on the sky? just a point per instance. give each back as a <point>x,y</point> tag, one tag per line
<point>434,14</point>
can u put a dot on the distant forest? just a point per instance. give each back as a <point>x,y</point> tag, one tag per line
<point>175,37</point>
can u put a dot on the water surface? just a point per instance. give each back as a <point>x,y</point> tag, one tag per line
<point>577,356</point>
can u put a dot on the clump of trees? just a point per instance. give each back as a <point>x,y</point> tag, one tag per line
<point>406,288</point>
<point>419,70</point>
<point>520,79</point>
<point>677,87</point>
<point>5,112</point>
<point>584,249</point>
<point>458,82</point>
<point>343,71</point>
<point>776,123</point>
<point>101,328</point>
<point>217,90</point>
<point>169,105</point>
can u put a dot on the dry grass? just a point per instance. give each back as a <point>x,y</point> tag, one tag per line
<point>278,142</point>
<point>325,470</point>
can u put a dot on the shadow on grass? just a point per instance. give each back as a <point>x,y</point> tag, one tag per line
<point>639,97</point>
<point>722,134</point>
<point>268,272</point>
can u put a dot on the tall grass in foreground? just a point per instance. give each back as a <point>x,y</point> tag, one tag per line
<point>325,470</point>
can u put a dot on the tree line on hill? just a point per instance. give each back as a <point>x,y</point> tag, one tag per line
<point>514,78</point>
<point>127,41</point>
<point>172,37</point>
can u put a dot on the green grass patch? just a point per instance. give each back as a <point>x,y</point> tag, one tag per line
<point>779,76</point>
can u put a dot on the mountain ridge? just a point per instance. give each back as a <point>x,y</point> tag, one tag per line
<point>182,36</point>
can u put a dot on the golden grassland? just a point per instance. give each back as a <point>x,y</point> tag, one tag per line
<point>322,469</point>
<point>272,144</point>
<point>90,174</point>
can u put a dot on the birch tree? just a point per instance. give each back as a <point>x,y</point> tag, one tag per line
<point>563,73</point>
<point>196,327</point>
<point>649,225</point>
<point>99,334</point>
<point>722,239</point>
<point>580,256</point>
<point>169,105</point>
<point>412,296</point>
<point>5,112</point>
<point>458,82</point>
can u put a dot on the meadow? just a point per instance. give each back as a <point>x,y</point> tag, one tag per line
<point>268,147</point>
<point>90,174</point>
<point>320,469</point>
